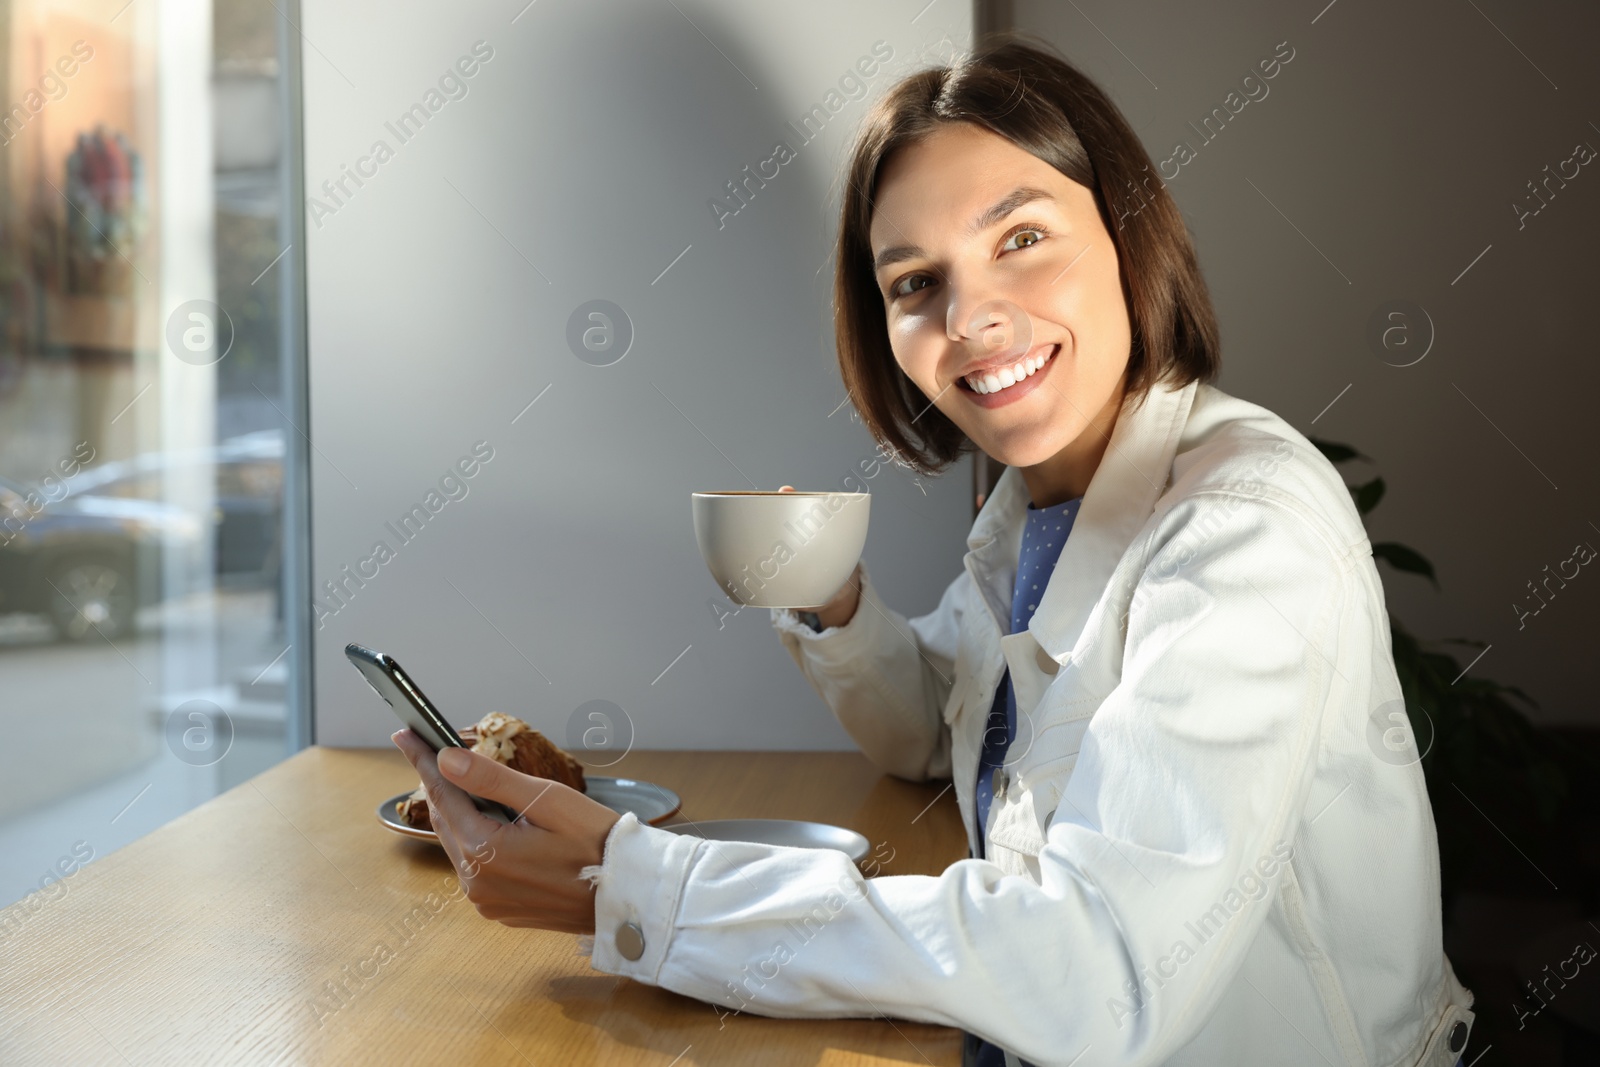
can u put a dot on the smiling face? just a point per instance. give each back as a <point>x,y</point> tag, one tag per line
<point>1036,279</point>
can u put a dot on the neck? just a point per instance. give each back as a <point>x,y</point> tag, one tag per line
<point>1066,475</point>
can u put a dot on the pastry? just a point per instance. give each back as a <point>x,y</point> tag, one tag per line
<point>511,741</point>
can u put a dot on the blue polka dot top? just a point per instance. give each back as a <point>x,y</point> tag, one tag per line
<point>1042,540</point>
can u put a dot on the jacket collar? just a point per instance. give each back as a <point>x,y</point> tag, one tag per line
<point>1121,497</point>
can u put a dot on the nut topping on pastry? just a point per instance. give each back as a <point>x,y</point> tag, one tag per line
<point>496,733</point>
<point>505,739</point>
<point>413,811</point>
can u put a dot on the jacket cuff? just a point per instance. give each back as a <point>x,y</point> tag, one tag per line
<point>833,646</point>
<point>787,620</point>
<point>637,889</point>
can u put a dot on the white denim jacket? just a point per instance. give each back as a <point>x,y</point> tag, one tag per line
<point>1211,844</point>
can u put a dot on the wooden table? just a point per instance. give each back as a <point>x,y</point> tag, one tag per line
<point>212,940</point>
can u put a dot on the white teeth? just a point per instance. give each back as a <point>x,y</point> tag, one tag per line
<point>994,381</point>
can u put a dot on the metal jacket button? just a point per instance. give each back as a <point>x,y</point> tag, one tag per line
<point>1458,1037</point>
<point>630,941</point>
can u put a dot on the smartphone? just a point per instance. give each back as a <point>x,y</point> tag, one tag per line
<point>384,674</point>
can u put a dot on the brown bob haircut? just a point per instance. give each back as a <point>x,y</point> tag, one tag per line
<point>1014,87</point>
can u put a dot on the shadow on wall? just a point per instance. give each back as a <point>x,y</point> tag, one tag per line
<point>651,317</point>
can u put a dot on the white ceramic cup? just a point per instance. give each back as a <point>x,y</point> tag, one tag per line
<point>781,550</point>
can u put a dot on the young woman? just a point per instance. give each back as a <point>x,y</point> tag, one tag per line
<point>1162,682</point>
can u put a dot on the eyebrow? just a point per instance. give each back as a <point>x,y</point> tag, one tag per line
<point>1025,194</point>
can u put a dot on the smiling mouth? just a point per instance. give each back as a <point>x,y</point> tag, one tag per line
<point>1001,379</point>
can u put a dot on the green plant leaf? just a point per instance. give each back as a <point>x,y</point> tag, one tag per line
<point>1406,559</point>
<point>1367,496</point>
<point>1474,642</point>
<point>1481,742</point>
<point>1335,452</point>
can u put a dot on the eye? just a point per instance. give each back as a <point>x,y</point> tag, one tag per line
<point>898,289</point>
<point>1026,234</point>
<point>1026,229</point>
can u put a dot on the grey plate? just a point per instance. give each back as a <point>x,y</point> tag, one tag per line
<point>651,803</point>
<point>787,832</point>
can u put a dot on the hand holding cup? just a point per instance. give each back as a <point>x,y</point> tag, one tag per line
<point>842,607</point>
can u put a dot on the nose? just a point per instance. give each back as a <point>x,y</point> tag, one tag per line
<point>987,325</point>
<point>964,300</point>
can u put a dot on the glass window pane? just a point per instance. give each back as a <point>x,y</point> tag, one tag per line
<point>146,264</point>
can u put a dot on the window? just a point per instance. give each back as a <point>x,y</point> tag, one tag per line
<point>150,361</point>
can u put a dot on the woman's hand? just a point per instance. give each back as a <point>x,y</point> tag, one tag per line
<point>525,874</point>
<point>842,607</point>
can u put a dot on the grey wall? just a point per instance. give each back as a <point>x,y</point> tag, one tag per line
<point>579,166</point>
<point>1384,160</point>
